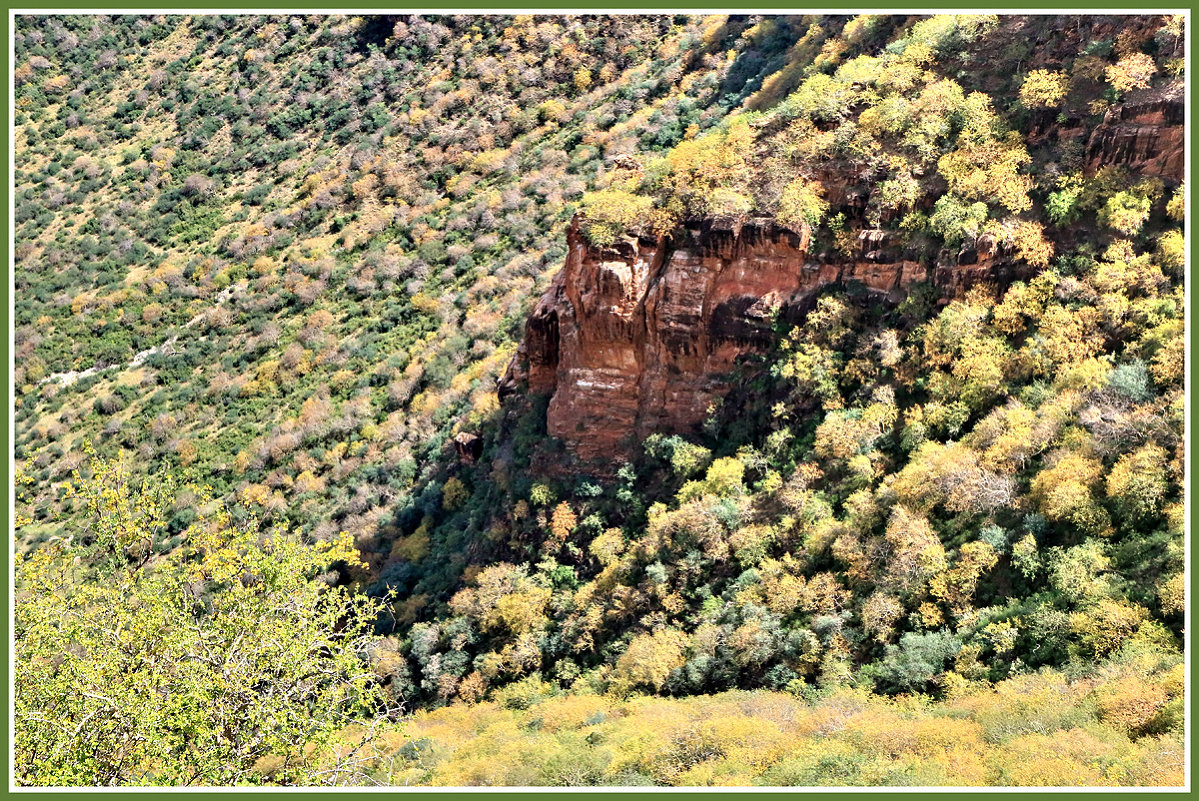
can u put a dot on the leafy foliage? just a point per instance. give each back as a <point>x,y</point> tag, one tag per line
<point>1037,729</point>
<point>226,661</point>
<point>1044,89</point>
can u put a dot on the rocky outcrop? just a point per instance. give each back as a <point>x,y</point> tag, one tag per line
<point>469,446</point>
<point>1144,134</point>
<point>642,337</point>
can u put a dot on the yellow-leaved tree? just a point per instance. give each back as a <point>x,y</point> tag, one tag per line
<point>1044,88</point>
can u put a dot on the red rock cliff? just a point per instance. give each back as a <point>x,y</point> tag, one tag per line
<point>1145,133</point>
<point>641,337</point>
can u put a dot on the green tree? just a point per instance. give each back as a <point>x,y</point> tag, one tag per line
<point>228,660</point>
<point>1138,483</point>
<point>1062,205</point>
<point>1126,212</point>
<point>955,221</point>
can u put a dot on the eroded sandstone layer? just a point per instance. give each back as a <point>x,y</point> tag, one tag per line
<point>1145,134</point>
<point>642,337</point>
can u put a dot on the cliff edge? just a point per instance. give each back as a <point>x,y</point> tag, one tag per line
<point>641,337</point>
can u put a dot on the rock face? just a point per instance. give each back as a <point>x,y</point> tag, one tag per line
<point>1145,134</point>
<point>642,337</point>
<point>469,446</point>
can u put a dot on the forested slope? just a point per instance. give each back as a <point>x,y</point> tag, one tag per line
<point>291,254</point>
<point>939,469</point>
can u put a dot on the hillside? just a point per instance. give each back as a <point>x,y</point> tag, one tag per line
<point>827,368</point>
<point>292,254</point>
